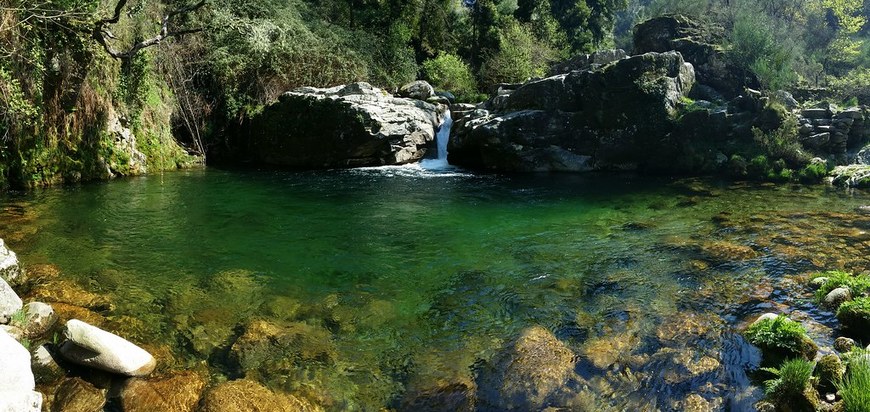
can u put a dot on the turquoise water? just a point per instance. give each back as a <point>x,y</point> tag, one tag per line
<point>420,278</point>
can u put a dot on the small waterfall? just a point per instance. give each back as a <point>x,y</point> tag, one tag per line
<point>441,139</point>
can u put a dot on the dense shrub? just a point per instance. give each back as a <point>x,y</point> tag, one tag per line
<point>450,73</point>
<point>783,335</point>
<point>792,378</point>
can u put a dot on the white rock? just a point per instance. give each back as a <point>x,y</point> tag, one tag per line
<point>9,302</point>
<point>9,268</point>
<point>14,331</point>
<point>765,317</point>
<point>16,379</point>
<point>15,365</point>
<point>30,401</point>
<point>91,346</point>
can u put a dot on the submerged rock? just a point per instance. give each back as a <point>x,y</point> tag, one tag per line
<point>10,270</point>
<point>249,396</point>
<point>529,374</point>
<point>177,393</point>
<point>16,379</point>
<point>346,126</point>
<point>69,292</point>
<point>45,366</point>
<point>77,395</point>
<point>267,349</point>
<point>91,346</point>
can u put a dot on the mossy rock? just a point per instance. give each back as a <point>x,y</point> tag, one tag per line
<point>780,338</point>
<point>830,370</point>
<point>855,317</point>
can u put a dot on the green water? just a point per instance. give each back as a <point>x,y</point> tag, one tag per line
<point>420,278</point>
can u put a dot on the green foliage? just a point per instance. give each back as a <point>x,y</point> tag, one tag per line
<point>813,173</point>
<point>759,49</point>
<point>858,285</point>
<point>27,343</point>
<point>449,72</point>
<point>792,378</point>
<point>854,389</point>
<point>855,313</point>
<point>519,57</point>
<point>780,333</point>
<point>782,143</point>
<point>19,318</point>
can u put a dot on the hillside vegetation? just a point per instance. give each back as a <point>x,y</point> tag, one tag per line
<point>71,109</point>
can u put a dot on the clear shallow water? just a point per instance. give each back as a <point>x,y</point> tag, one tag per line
<point>420,278</point>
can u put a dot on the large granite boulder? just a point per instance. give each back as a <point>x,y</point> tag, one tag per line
<point>701,45</point>
<point>609,118</point>
<point>10,270</point>
<point>9,302</point>
<point>347,126</point>
<point>91,346</point>
<point>16,379</point>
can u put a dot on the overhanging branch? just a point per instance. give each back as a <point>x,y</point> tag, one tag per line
<point>103,36</point>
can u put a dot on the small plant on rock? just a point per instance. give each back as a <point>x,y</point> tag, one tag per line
<point>792,379</point>
<point>783,336</point>
<point>855,315</point>
<point>19,318</point>
<point>858,285</point>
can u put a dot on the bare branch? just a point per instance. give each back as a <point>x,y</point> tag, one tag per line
<point>102,35</point>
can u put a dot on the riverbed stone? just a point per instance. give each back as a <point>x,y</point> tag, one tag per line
<point>176,393</point>
<point>39,319</point>
<point>266,349</point>
<point>66,312</point>
<point>818,282</point>
<point>10,270</point>
<point>70,292</point>
<point>77,395</point>
<point>529,373</point>
<point>830,370</point>
<point>249,396</point>
<point>90,346</point>
<point>45,366</point>
<point>843,344</point>
<point>16,378</point>
<point>10,303</point>
<point>837,297</point>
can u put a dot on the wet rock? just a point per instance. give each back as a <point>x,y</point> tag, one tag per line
<point>851,176</point>
<point>249,396</point>
<point>818,282</point>
<point>765,406</point>
<point>696,403</point>
<point>457,397</point>
<point>606,351</point>
<point>268,349</point>
<point>39,319</point>
<point>10,270</point>
<point>91,346</point>
<point>528,374</point>
<point>66,312</point>
<point>45,366</point>
<point>855,316</point>
<point>844,344</point>
<point>830,370</point>
<point>9,302</point>
<point>69,292</point>
<point>723,252</point>
<point>837,297</point>
<point>176,393</point>
<point>77,395</point>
